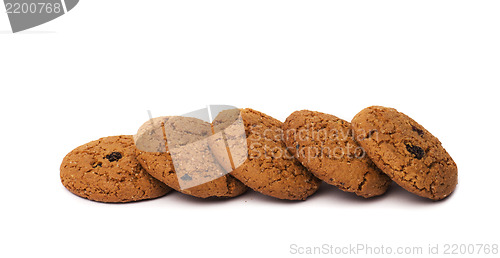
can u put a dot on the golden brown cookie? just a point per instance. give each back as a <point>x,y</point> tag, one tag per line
<point>325,145</point>
<point>200,175</point>
<point>270,169</point>
<point>406,151</point>
<point>107,170</point>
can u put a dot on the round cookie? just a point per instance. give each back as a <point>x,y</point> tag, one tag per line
<point>406,151</point>
<point>270,169</point>
<point>106,170</point>
<point>156,157</point>
<point>325,145</point>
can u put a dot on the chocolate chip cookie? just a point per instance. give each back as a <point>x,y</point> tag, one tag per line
<point>406,151</point>
<point>269,168</point>
<point>106,170</point>
<point>175,151</point>
<point>325,145</point>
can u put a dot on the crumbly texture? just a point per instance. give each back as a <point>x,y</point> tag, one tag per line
<point>406,151</point>
<point>156,157</point>
<point>325,145</point>
<point>270,169</point>
<point>107,170</point>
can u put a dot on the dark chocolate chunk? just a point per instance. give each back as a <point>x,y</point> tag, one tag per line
<point>419,131</point>
<point>417,152</point>
<point>114,156</point>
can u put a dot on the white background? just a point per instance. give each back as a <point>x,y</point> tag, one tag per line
<point>97,70</point>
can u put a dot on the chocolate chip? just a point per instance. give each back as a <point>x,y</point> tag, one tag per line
<point>417,152</point>
<point>186,177</point>
<point>419,131</point>
<point>114,156</point>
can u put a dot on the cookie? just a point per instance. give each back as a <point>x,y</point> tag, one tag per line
<point>185,163</point>
<point>325,145</point>
<point>107,170</point>
<point>404,150</point>
<point>229,142</point>
<point>270,169</point>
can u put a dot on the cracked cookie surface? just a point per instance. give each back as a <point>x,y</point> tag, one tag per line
<point>106,170</point>
<point>325,145</point>
<point>408,153</point>
<point>156,157</point>
<point>270,169</point>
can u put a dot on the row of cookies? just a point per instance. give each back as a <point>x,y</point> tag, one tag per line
<point>283,160</point>
<point>380,145</point>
